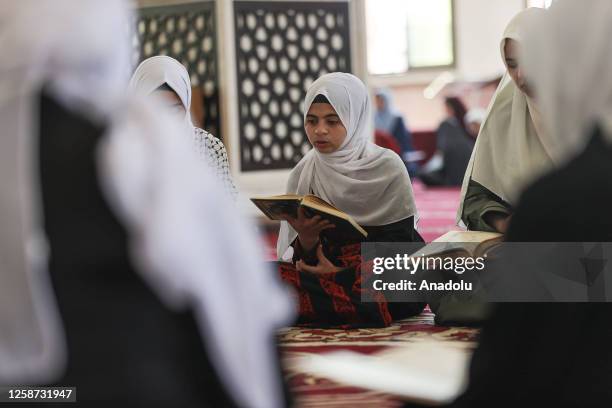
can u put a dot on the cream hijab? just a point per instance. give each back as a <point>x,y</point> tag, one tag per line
<point>512,148</point>
<point>366,181</point>
<point>571,65</point>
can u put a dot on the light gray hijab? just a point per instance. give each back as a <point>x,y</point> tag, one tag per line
<point>364,180</point>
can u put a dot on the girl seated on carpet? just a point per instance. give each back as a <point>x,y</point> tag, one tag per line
<point>512,149</point>
<point>367,182</point>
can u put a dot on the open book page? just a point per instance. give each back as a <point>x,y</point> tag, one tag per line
<point>461,243</point>
<point>430,373</point>
<point>314,200</point>
<point>322,205</point>
<point>468,236</point>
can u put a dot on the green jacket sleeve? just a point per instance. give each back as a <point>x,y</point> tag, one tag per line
<point>479,201</point>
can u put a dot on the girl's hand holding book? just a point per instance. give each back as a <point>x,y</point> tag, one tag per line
<point>308,229</point>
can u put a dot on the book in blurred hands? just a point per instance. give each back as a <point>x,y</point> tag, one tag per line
<point>471,244</point>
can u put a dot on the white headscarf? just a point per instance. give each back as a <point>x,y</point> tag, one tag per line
<point>512,148</point>
<point>366,181</point>
<point>189,246</point>
<point>571,67</point>
<point>159,70</point>
<point>40,46</point>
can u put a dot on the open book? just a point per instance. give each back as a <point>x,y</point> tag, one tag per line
<point>430,373</point>
<point>276,207</point>
<point>471,244</point>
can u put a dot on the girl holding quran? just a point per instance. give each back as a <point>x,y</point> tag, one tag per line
<point>365,181</point>
<point>512,149</point>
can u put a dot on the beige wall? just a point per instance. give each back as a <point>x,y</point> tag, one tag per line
<point>426,114</point>
<point>479,25</point>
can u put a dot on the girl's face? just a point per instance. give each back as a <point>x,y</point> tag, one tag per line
<point>511,51</point>
<point>324,128</point>
<point>171,102</point>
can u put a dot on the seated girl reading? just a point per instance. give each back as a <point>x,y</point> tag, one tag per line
<point>367,182</point>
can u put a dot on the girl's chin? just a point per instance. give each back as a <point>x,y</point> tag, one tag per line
<point>323,147</point>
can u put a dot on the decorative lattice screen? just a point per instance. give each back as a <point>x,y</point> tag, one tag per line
<point>281,48</point>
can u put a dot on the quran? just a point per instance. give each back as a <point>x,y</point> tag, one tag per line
<point>280,206</point>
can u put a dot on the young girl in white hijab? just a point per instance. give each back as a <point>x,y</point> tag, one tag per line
<point>364,180</point>
<point>168,80</point>
<point>512,148</point>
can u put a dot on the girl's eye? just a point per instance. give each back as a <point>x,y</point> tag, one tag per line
<point>310,121</point>
<point>332,122</point>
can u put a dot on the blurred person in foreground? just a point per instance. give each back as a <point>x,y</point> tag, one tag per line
<point>559,354</point>
<point>120,274</point>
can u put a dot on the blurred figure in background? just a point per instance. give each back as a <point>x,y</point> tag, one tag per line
<point>512,148</point>
<point>388,121</point>
<point>168,80</point>
<point>122,272</point>
<point>454,148</point>
<point>473,120</point>
<point>559,354</point>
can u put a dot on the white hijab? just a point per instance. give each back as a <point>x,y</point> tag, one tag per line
<point>366,181</point>
<point>512,148</point>
<point>571,67</point>
<point>85,72</point>
<point>159,70</point>
<point>186,242</point>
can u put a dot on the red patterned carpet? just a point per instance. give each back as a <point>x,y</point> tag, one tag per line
<point>310,391</point>
<point>437,208</point>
